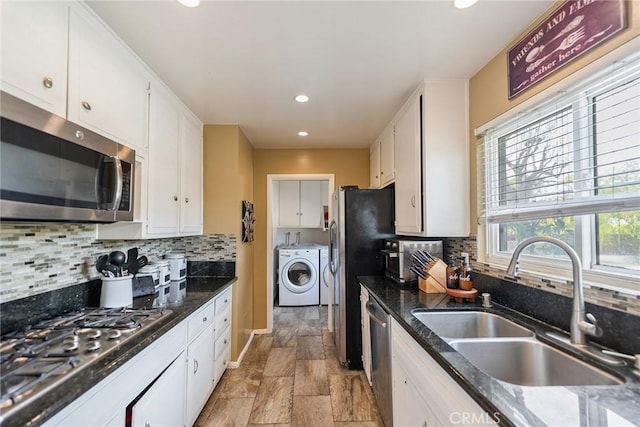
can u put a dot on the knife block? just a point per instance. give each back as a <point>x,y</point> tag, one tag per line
<point>436,281</point>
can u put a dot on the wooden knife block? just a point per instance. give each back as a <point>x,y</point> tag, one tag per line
<point>436,281</point>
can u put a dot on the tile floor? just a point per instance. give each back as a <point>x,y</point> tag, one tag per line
<point>292,378</point>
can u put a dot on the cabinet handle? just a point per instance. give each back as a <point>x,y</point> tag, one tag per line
<point>147,424</point>
<point>381,173</point>
<point>79,134</point>
<point>175,198</point>
<point>424,424</point>
<point>86,105</point>
<point>225,320</point>
<point>186,200</point>
<point>195,366</point>
<point>413,201</point>
<point>204,319</point>
<point>47,82</point>
<point>225,341</point>
<point>226,301</point>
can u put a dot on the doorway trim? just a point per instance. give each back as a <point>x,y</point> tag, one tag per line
<point>271,181</point>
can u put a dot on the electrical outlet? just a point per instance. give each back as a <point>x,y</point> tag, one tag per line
<point>465,255</point>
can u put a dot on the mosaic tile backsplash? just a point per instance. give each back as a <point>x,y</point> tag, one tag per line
<point>595,295</point>
<point>36,258</point>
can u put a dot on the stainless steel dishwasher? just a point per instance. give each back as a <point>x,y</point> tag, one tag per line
<point>380,324</point>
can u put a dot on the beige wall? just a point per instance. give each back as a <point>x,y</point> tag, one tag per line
<point>228,179</point>
<point>350,167</point>
<point>488,96</point>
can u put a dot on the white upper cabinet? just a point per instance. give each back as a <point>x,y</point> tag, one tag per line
<point>300,204</point>
<point>374,165</point>
<point>387,155</point>
<point>431,160</point>
<point>381,155</point>
<point>407,151</point>
<point>191,169</point>
<point>164,175</point>
<point>34,53</point>
<point>107,83</point>
<point>175,167</point>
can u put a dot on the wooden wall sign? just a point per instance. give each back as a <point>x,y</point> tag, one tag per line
<point>573,29</point>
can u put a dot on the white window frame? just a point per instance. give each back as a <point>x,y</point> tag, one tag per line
<point>626,281</point>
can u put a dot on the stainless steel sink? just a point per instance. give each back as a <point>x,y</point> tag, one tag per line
<point>529,362</point>
<point>470,324</point>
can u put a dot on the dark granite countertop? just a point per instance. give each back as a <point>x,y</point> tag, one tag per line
<point>200,290</point>
<point>617,405</point>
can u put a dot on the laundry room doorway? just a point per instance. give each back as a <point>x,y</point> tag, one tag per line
<point>298,212</point>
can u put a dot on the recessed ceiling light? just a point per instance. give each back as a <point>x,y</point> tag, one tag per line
<point>302,98</point>
<point>190,3</point>
<point>463,4</point>
<point>303,133</point>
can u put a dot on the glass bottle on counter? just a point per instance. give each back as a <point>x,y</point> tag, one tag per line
<point>452,273</point>
<point>465,278</point>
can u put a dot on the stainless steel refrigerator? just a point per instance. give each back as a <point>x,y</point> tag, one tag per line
<point>360,220</point>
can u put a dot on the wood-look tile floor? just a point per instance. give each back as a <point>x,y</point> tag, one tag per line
<point>292,377</point>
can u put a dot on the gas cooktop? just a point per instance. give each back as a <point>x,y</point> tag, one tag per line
<point>39,357</point>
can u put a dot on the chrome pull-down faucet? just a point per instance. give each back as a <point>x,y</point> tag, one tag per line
<point>582,324</point>
<point>580,327</point>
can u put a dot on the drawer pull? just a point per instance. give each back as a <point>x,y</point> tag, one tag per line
<point>47,82</point>
<point>86,105</point>
<point>226,301</point>
<point>204,319</point>
<point>195,366</point>
<point>225,341</point>
<point>225,320</point>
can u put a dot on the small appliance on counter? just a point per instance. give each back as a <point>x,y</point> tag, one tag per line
<point>177,265</point>
<point>397,254</point>
<point>177,292</point>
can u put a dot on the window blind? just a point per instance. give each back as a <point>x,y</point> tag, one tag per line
<point>575,154</point>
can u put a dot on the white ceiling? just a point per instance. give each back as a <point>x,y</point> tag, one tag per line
<point>243,62</point>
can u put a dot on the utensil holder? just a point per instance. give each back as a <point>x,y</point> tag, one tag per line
<point>116,292</point>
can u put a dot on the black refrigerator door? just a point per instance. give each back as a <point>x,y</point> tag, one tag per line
<point>369,217</point>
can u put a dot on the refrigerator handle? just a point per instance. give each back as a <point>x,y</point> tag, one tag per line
<point>333,234</point>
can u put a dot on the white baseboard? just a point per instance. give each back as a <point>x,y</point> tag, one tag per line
<point>236,364</point>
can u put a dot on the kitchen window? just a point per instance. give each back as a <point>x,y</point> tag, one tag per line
<point>570,169</point>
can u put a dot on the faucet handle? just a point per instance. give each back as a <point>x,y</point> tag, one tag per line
<point>593,328</point>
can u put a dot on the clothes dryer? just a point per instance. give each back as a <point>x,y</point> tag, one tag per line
<point>298,276</point>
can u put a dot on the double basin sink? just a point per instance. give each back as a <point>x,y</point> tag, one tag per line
<point>509,352</point>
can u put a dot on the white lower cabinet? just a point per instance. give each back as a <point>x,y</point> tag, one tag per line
<point>423,393</point>
<point>200,363</point>
<point>163,403</point>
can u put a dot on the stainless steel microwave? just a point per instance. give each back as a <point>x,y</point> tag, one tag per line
<point>54,170</point>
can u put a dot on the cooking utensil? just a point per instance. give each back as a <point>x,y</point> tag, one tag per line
<point>117,258</point>
<point>132,256</point>
<point>535,52</point>
<point>100,263</point>
<point>138,264</point>
<point>113,269</point>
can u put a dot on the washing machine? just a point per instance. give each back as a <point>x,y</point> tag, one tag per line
<point>324,275</point>
<point>298,276</point>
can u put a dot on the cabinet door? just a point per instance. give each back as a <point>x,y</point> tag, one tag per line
<point>409,409</point>
<point>408,176</point>
<point>200,373</point>
<point>191,165</point>
<point>387,166</point>
<point>289,204</point>
<point>374,165</point>
<point>163,403</point>
<point>163,210</point>
<point>107,83</point>
<point>311,210</point>
<point>34,53</point>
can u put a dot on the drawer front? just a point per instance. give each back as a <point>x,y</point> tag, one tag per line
<point>223,301</point>
<point>223,343</point>
<point>221,363</point>
<point>223,320</point>
<point>199,321</point>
